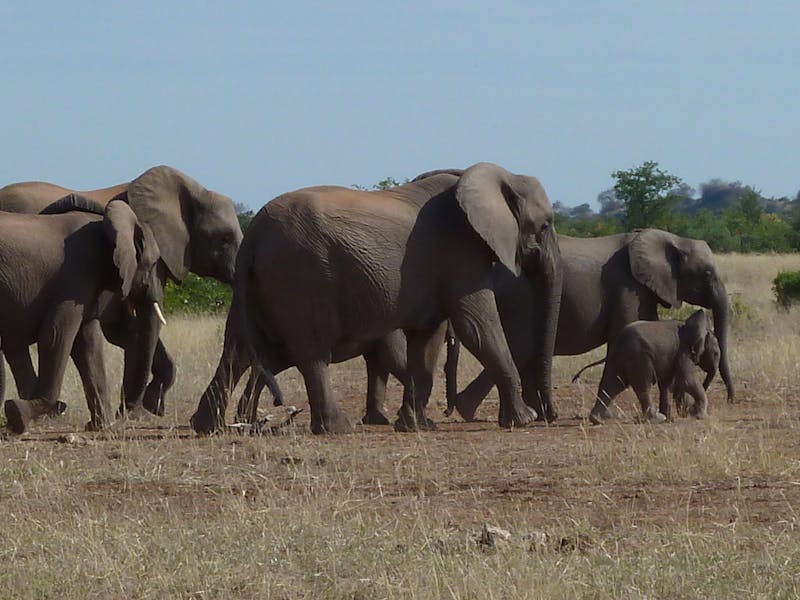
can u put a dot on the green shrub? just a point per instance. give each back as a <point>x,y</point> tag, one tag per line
<point>786,287</point>
<point>197,295</point>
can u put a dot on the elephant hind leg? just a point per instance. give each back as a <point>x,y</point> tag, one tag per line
<point>56,336</point>
<point>326,414</point>
<point>377,377</point>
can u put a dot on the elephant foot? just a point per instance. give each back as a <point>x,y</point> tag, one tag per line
<point>466,407</point>
<point>520,417</point>
<point>59,408</point>
<point>653,417</point>
<point>94,425</point>
<point>700,413</point>
<point>19,413</point>
<point>600,414</point>
<point>205,423</point>
<point>374,417</point>
<point>332,421</point>
<point>547,414</point>
<point>422,423</point>
<point>153,400</point>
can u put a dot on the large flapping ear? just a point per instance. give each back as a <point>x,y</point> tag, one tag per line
<point>134,243</point>
<point>654,262</point>
<point>162,199</point>
<point>485,194</point>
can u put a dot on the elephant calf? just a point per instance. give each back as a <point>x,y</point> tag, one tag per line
<point>662,352</point>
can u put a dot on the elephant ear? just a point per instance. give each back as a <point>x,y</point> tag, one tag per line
<point>654,262</point>
<point>161,198</point>
<point>485,194</point>
<point>135,246</point>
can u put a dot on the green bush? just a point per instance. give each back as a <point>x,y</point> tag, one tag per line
<point>786,287</point>
<point>197,295</point>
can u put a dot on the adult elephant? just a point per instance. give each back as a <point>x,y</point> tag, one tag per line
<point>196,230</point>
<point>56,267</point>
<point>609,282</point>
<point>326,266</point>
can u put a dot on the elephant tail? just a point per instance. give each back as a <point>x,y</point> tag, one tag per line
<point>594,364</point>
<point>451,369</point>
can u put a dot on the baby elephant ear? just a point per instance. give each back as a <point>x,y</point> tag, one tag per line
<point>134,245</point>
<point>483,194</point>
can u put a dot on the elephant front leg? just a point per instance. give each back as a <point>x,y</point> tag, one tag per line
<point>56,336</point>
<point>477,324</point>
<point>210,413</point>
<point>412,415</point>
<point>87,354</point>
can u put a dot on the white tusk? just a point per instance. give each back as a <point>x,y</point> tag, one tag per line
<point>159,313</point>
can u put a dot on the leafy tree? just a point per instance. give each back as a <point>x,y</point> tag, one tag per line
<point>644,192</point>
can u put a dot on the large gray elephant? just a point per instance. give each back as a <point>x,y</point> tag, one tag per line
<point>326,266</point>
<point>664,352</point>
<point>608,282</point>
<point>196,230</point>
<point>55,269</point>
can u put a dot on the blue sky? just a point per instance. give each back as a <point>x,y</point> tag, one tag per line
<point>257,98</point>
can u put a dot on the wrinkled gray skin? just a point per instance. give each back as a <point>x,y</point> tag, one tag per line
<point>647,352</point>
<point>196,230</point>
<point>384,356</point>
<point>608,282</point>
<point>55,269</point>
<point>326,266</point>
<point>708,362</point>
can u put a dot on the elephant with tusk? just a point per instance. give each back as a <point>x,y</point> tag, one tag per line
<point>196,230</point>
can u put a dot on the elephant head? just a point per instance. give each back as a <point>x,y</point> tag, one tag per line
<point>679,270</point>
<point>513,215</point>
<point>196,229</point>
<point>136,256</point>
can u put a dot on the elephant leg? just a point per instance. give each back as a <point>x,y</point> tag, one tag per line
<point>696,391</point>
<point>56,336</point>
<point>649,412</point>
<point>377,377</point>
<point>470,398</point>
<point>210,413</point>
<point>163,370</point>
<point>477,324</point>
<point>87,354</point>
<point>326,414</point>
<point>663,401</point>
<point>611,386</point>
<point>19,360</point>
<point>421,362</point>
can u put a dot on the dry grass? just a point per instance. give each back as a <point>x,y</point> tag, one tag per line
<point>691,509</point>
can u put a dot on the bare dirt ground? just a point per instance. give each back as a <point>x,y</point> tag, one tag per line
<point>688,509</point>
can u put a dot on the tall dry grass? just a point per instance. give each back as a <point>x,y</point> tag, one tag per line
<point>690,509</point>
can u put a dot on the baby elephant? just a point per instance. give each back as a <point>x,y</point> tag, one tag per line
<point>662,352</point>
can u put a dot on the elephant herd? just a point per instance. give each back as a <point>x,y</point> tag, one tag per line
<point>325,274</point>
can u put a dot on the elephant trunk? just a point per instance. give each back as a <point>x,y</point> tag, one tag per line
<point>139,354</point>
<point>720,311</point>
<point>547,279</point>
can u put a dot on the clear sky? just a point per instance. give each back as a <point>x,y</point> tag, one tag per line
<point>257,98</point>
